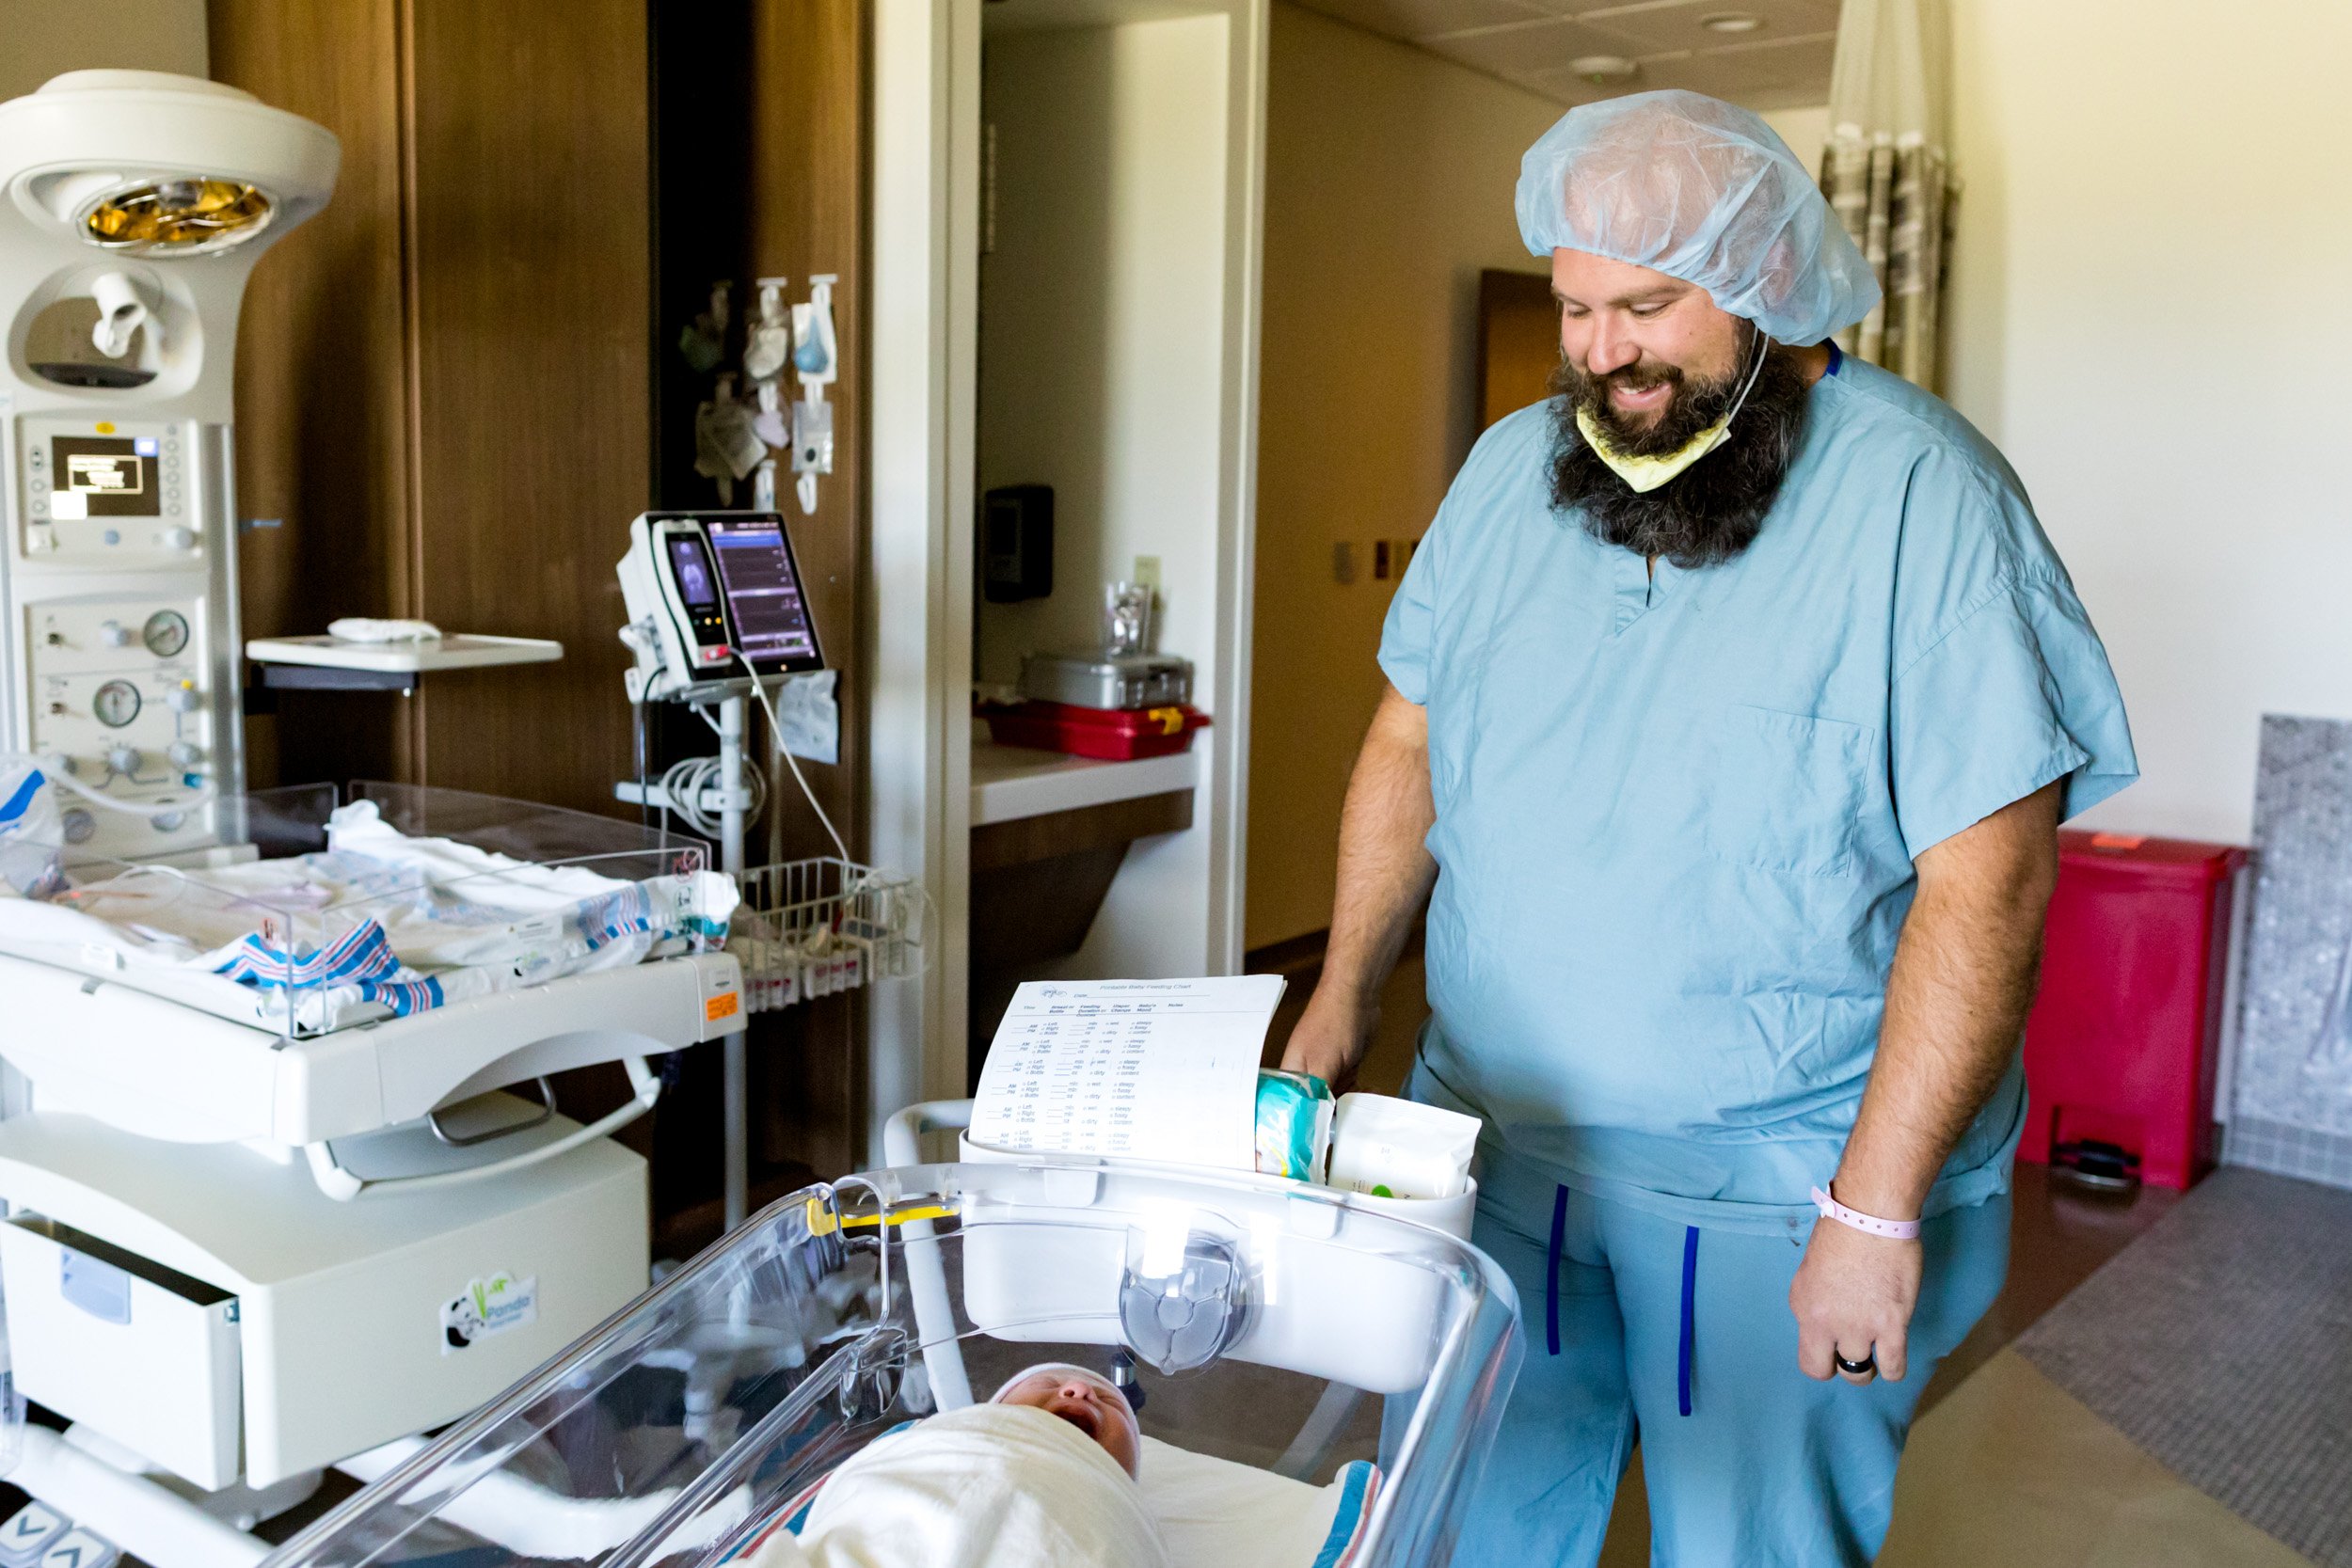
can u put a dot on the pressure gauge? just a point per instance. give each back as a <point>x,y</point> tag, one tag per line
<point>117,702</point>
<point>165,633</point>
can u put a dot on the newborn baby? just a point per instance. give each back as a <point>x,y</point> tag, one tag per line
<point>1042,1477</point>
<point>1088,1401</point>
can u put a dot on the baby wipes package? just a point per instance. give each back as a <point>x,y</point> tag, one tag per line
<point>1294,1125</point>
<point>1397,1148</point>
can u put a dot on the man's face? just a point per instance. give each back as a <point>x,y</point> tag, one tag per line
<point>1639,345</point>
<point>1086,1401</point>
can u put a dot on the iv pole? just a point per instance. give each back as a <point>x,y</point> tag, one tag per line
<point>734,1056</point>
<point>733,801</point>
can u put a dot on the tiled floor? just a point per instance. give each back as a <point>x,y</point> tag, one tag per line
<point>2011,1470</point>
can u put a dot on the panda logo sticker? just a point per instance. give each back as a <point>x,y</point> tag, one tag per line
<point>487,1307</point>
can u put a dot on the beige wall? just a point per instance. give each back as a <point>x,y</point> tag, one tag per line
<point>1103,372</point>
<point>39,38</point>
<point>1805,131</point>
<point>2150,313</point>
<point>1389,179</point>
<point>1100,365</point>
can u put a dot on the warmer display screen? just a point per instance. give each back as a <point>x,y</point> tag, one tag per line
<point>104,476</point>
<point>772,628</point>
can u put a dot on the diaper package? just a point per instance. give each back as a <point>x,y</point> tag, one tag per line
<point>1294,1125</point>
<point>1397,1148</point>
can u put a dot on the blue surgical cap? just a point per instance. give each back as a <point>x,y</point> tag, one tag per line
<point>1703,191</point>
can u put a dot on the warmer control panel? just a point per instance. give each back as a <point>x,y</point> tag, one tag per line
<point>107,494</point>
<point>120,658</point>
<point>116,687</point>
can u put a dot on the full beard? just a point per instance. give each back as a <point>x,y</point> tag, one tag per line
<point>1715,507</point>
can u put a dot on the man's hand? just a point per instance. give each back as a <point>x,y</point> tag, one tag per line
<point>1331,1038</point>
<point>1955,1002</point>
<point>1852,1297</point>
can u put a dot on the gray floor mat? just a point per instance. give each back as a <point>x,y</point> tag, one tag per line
<point>2221,1344</point>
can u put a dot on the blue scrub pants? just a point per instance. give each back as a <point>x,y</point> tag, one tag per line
<point>1638,1324</point>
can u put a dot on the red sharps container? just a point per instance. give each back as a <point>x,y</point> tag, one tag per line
<point>2123,1039</point>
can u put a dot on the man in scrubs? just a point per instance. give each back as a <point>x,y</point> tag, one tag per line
<point>1735,698</point>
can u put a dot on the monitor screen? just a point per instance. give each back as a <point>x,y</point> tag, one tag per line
<point>690,562</point>
<point>772,628</point>
<point>105,476</point>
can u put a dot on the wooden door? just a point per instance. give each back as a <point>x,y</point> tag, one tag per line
<point>529,350</point>
<point>323,438</point>
<point>1518,341</point>
<point>456,388</point>
<point>444,398</point>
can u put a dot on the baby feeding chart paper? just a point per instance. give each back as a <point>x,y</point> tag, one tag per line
<point>1147,1069</point>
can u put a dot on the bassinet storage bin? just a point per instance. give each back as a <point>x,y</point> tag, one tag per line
<point>674,1433</point>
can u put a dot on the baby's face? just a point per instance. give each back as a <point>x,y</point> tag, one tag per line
<point>1086,1401</point>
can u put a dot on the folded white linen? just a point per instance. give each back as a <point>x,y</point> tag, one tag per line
<point>377,924</point>
<point>362,628</point>
<point>988,1486</point>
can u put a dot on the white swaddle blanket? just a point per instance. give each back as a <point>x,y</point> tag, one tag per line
<point>379,924</point>
<point>991,1486</point>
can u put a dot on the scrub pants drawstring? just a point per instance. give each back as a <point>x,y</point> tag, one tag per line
<point>1690,1294</point>
<point>1689,1331</point>
<point>1551,1269</point>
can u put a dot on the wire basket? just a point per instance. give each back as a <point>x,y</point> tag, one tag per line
<point>815,927</point>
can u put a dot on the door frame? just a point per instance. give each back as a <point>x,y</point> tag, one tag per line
<point>925,185</point>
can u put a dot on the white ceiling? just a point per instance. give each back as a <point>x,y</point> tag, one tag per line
<point>1782,63</point>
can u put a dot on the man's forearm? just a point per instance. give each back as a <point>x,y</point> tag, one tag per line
<point>1385,871</point>
<point>1963,981</point>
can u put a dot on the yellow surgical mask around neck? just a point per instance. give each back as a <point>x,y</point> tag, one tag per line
<point>1643,474</point>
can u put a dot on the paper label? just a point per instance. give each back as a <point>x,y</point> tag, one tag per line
<point>488,1307</point>
<point>1148,1069</point>
<point>811,718</point>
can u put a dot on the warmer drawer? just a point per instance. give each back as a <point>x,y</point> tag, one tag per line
<point>142,1354</point>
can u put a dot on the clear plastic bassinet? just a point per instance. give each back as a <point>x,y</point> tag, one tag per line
<point>673,1434</point>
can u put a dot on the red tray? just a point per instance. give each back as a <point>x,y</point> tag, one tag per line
<point>1109,735</point>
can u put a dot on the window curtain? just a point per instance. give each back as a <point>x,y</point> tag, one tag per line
<point>1887,173</point>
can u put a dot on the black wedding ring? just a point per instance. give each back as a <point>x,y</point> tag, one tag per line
<point>1866,1367</point>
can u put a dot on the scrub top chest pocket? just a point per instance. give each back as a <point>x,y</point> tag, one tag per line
<point>1787,791</point>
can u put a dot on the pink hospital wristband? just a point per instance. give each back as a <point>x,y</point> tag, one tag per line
<point>1894,1230</point>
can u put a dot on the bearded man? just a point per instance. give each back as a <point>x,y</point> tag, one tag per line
<point>1735,698</point>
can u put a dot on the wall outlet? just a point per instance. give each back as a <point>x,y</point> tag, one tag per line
<point>1147,572</point>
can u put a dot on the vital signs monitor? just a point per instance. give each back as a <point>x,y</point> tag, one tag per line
<point>713,598</point>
